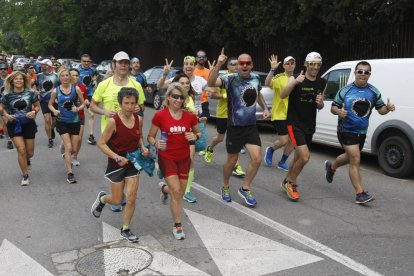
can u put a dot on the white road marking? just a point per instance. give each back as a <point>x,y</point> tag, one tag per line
<point>110,233</point>
<point>13,261</point>
<point>292,234</point>
<point>239,252</point>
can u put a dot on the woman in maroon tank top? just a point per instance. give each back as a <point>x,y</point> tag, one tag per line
<point>123,134</point>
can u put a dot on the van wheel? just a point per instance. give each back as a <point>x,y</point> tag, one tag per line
<point>157,101</point>
<point>396,157</point>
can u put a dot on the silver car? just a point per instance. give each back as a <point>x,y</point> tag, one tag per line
<point>20,63</point>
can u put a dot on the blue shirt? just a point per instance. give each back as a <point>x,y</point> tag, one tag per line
<point>1,87</point>
<point>359,102</point>
<point>66,102</point>
<point>241,98</point>
<point>85,77</point>
<point>19,104</point>
<point>46,83</point>
<point>140,77</point>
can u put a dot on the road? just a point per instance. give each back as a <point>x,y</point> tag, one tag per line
<point>47,229</point>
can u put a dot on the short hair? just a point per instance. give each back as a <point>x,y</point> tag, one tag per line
<point>8,83</point>
<point>74,69</point>
<point>127,92</point>
<point>365,63</point>
<point>85,56</point>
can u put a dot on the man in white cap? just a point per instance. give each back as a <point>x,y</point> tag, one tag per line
<point>45,82</point>
<point>305,94</point>
<point>279,110</point>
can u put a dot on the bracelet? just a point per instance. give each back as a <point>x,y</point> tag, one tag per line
<point>117,159</point>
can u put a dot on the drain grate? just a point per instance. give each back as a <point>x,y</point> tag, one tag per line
<point>114,261</point>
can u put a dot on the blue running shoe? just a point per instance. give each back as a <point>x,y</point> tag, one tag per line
<point>329,172</point>
<point>225,194</point>
<point>283,166</point>
<point>268,156</point>
<point>190,197</point>
<point>118,207</point>
<point>364,197</point>
<point>247,196</point>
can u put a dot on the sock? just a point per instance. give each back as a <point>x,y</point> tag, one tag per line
<point>125,227</point>
<point>190,180</point>
<point>244,189</point>
<point>102,199</point>
<point>177,224</point>
<point>284,158</point>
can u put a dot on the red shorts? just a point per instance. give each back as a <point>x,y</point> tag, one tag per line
<point>170,167</point>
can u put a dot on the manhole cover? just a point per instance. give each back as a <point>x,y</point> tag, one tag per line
<point>114,261</point>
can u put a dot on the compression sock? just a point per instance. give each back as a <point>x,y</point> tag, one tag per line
<point>125,227</point>
<point>190,180</point>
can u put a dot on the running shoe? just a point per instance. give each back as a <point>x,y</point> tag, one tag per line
<point>247,196</point>
<point>71,178</point>
<point>283,166</point>
<point>225,194</point>
<point>178,233</point>
<point>190,197</point>
<point>91,140</point>
<point>119,207</point>
<point>268,158</point>
<point>97,206</point>
<point>291,190</point>
<point>25,180</point>
<point>329,172</point>
<point>128,235</point>
<point>163,195</point>
<point>75,162</point>
<point>238,171</point>
<point>243,150</point>
<point>62,148</point>
<point>50,144</point>
<point>364,197</point>
<point>208,156</point>
<point>10,144</point>
<point>201,152</point>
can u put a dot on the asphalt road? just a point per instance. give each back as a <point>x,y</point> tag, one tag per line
<point>325,233</point>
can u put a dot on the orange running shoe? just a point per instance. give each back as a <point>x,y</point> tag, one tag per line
<point>291,190</point>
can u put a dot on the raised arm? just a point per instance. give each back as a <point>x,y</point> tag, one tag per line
<point>291,84</point>
<point>273,66</point>
<point>162,83</point>
<point>213,80</point>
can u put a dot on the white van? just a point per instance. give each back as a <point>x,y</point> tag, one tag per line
<point>391,136</point>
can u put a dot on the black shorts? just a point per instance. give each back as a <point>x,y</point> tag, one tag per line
<point>281,127</point>
<point>349,139</point>
<point>45,108</point>
<point>221,125</point>
<point>69,128</point>
<point>299,137</point>
<point>116,175</point>
<point>205,110</point>
<point>238,136</point>
<point>28,130</point>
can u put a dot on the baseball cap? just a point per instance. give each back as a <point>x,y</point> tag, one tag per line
<point>47,62</point>
<point>313,56</point>
<point>121,56</point>
<point>287,59</point>
<point>134,59</point>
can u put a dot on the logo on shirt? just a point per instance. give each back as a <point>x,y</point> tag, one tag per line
<point>248,96</point>
<point>177,129</point>
<point>361,107</point>
<point>20,104</point>
<point>47,85</point>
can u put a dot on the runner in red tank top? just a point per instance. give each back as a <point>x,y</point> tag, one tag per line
<point>122,134</point>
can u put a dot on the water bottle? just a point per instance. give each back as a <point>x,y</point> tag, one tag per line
<point>164,138</point>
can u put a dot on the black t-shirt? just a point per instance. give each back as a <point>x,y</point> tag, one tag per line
<point>302,104</point>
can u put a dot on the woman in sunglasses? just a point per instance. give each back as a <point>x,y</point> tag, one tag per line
<point>174,152</point>
<point>68,96</point>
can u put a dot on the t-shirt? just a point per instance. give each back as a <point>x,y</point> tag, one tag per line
<point>359,102</point>
<point>279,106</point>
<point>46,83</point>
<point>66,102</point>
<point>221,110</point>
<point>85,77</point>
<point>242,96</point>
<point>204,73</point>
<point>1,87</point>
<point>178,147</point>
<point>107,94</point>
<point>140,77</point>
<point>302,104</point>
<point>19,104</point>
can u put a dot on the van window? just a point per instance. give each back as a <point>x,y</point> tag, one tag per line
<point>335,80</point>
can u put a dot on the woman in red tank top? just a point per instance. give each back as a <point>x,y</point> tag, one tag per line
<point>123,134</point>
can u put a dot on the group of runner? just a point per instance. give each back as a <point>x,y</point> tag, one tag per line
<point>119,100</point>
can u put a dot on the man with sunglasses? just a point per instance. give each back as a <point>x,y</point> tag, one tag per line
<point>243,91</point>
<point>201,71</point>
<point>305,94</point>
<point>353,104</point>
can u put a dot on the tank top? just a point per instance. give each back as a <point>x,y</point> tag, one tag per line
<point>65,102</point>
<point>124,139</point>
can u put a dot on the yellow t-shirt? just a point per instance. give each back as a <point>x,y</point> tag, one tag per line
<point>107,94</point>
<point>190,105</point>
<point>221,111</point>
<point>279,106</point>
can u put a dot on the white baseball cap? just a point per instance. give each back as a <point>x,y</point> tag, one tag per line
<point>121,56</point>
<point>313,56</point>
<point>288,58</point>
<point>47,62</point>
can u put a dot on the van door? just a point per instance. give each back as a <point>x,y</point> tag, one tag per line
<point>326,122</point>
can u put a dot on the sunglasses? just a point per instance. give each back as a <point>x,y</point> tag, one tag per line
<point>243,63</point>
<point>364,72</point>
<point>232,63</point>
<point>176,96</point>
<point>318,64</point>
<point>201,56</point>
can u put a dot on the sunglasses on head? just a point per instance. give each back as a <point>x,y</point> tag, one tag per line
<point>247,63</point>
<point>363,72</point>
<point>314,63</point>
<point>176,96</point>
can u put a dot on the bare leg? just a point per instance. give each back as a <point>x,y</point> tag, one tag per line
<point>255,153</point>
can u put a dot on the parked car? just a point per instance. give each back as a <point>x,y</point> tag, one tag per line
<point>69,62</point>
<point>102,68</point>
<point>156,97</point>
<point>267,93</point>
<point>19,64</point>
<point>390,137</point>
<point>15,57</point>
